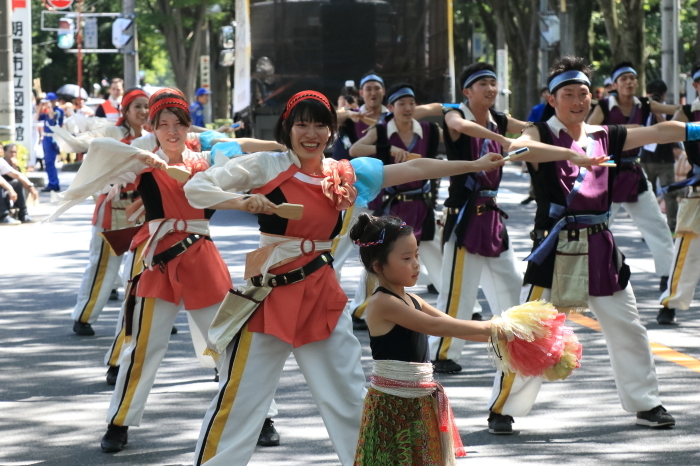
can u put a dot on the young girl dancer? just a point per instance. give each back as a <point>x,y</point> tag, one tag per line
<point>399,421</point>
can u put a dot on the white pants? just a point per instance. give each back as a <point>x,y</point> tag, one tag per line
<point>152,323</point>
<point>684,274</point>
<point>628,349</point>
<point>647,216</point>
<point>342,244</point>
<point>461,274</point>
<point>99,279</point>
<point>250,372</point>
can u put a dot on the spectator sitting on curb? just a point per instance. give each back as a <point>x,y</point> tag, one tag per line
<point>10,154</point>
<point>11,184</point>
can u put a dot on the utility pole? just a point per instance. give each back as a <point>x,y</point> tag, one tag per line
<point>669,49</point>
<point>131,56</point>
<point>544,48</point>
<point>7,102</point>
<point>566,28</point>
<point>502,70</point>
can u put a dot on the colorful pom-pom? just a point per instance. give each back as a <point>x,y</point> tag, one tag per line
<point>537,342</point>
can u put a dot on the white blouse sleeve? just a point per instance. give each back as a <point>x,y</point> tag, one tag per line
<point>107,161</point>
<point>219,184</point>
<point>81,142</point>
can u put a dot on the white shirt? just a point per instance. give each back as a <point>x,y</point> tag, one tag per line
<point>5,167</point>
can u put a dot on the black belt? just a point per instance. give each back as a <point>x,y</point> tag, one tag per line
<point>408,197</point>
<point>175,250</point>
<point>296,275</point>
<point>573,234</point>
<point>131,195</point>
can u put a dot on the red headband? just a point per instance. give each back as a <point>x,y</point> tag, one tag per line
<point>168,102</point>
<point>296,98</point>
<point>126,101</point>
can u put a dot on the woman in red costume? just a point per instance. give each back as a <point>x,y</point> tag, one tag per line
<point>303,313</point>
<point>184,268</point>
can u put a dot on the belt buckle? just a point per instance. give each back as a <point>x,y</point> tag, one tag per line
<point>480,209</point>
<point>302,276</point>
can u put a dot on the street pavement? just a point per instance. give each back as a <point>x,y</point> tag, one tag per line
<point>53,396</point>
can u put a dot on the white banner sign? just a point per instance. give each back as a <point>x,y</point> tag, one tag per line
<point>241,85</point>
<point>90,33</point>
<point>22,71</point>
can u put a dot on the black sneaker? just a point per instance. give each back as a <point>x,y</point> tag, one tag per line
<point>500,424</point>
<point>527,200</point>
<point>173,331</point>
<point>216,374</point>
<point>84,330</point>
<point>663,284</point>
<point>358,324</point>
<point>446,366</point>
<point>268,435</point>
<point>114,295</point>
<point>657,417</point>
<point>114,439</point>
<point>432,289</point>
<point>112,374</point>
<point>666,316</point>
<point>477,316</point>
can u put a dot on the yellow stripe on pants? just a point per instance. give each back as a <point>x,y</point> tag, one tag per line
<point>536,293</point>
<point>228,397</point>
<point>103,263</point>
<point>344,229</point>
<point>139,356</point>
<point>455,294</point>
<point>678,269</point>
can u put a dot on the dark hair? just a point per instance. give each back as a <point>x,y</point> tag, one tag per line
<point>368,229</point>
<point>367,74</point>
<point>544,89</point>
<point>182,115</point>
<point>622,64</point>
<point>569,63</point>
<point>125,108</point>
<point>117,80</point>
<point>473,68</point>
<point>9,146</point>
<point>657,88</point>
<point>306,110</point>
<point>395,87</point>
<point>696,67</point>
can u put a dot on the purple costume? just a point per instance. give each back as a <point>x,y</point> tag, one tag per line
<point>553,181</point>
<point>631,180</point>
<point>472,213</point>
<point>414,210</point>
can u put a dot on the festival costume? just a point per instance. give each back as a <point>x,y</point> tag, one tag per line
<point>580,267</point>
<point>411,202</point>
<point>476,248</point>
<point>685,273</point>
<point>304,317</point>
<point>632,190</point>
<point>405,410</point>
<point>196,279</point>
<point>101,275</point>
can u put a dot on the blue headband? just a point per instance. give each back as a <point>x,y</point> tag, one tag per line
<point>566,78</point>
<point>621,71</point>
<point>477,76</point>
<point>696,75</point>
<point>403,92</point>
<point>371,77</point>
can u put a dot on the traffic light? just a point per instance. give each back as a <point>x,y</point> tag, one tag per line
<point>119,37</point>
<point>66,33</point>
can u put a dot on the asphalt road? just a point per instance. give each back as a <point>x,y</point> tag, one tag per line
<point>53,397</point>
